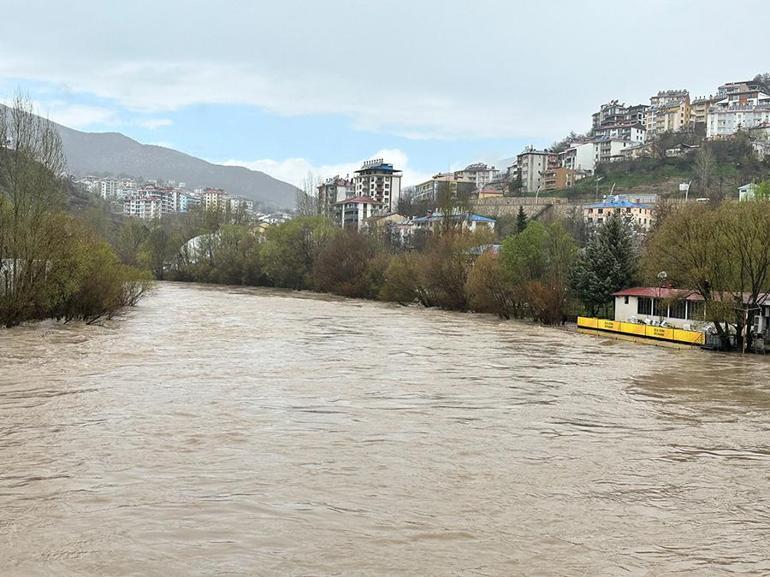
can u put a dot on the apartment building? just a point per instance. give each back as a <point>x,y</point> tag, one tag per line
<point>610,149</point>
<point>455,182</point>
<point>740,106</point>
<point>379,180</point>
<point>579,156</point>
<point>532,165</point>
<point>478,173</point>
<point>331,191</point>
<point>148,206</point>
<point>353,212</point>
<point>616,113</point>
<point>669,111</point>
<point>634,132</point>
<point>699,110</point>
<point>108,188</point>
<point>560,178</point>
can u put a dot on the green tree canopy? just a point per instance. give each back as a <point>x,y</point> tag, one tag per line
<point>606,265</point>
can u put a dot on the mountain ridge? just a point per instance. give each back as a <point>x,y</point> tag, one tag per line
<point>115,153</point>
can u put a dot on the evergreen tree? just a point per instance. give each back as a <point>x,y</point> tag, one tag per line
<point>605,266</point>
<point>521,220</point>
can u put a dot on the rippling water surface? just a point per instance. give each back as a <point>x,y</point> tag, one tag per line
<point>220,431</point>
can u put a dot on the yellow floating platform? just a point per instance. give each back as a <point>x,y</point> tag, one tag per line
<point>633,329</point>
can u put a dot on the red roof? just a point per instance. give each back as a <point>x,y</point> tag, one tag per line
<point>672,293</point>
<point>659,293</point>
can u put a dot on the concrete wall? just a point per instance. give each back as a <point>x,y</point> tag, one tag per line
<point>545,206</point>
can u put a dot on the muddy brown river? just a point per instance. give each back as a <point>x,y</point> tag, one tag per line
<point>218,431</point>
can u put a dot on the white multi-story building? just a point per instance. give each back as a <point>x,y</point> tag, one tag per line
<point>108,188</point>
<point>610,149</point>
<point>579,157</point>
<point>634,132</point>
<point>741,106</point>
<point>148,207</point>
<point>532,165</point>
<point>354,211</point>
<point>724,122</point>
<point>240,205</point>
<point>379,180</point>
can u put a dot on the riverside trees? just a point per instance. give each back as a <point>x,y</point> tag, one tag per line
<point>721,253</point>
<point>51,265</point>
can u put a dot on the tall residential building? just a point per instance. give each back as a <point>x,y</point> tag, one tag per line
<point>148,206</point>
<point>214,199</point>
<point>532,165</point>
<point>332,191</point>
<point>616,113</point>
<point>738,105</point>
<point>669,111</point>
<point>108,188</point>
<point>579,157</point>
<point>379,180</point>
<point>699,110</point>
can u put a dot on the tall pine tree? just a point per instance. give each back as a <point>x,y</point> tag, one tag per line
<point>605,266</point>
<point>521,220</point>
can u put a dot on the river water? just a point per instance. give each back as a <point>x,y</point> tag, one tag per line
<point>224,431</point>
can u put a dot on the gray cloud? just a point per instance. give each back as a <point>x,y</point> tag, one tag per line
<point>420,69</point>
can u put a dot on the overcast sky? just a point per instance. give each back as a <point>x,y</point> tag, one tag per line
<point>288,86</point>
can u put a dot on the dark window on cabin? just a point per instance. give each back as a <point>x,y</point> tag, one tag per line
<point>626,300</point>
<point>660,308</point>
<point>644,306</point>
<point>678,310</point>
<point>696,311</point>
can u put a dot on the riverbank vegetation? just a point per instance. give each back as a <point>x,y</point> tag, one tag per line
<point>52,265</point>
<point>541,271</point>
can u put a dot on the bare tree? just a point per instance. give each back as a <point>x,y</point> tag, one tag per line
<point>705,164</point>
<point>307,198</point>
<point>31,166</point>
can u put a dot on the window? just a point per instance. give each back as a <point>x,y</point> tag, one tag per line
<point>678,310</point>
<point>659,308</point>
<point>626,300</point>
<point>695,311</point>
<point>644,306</point>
